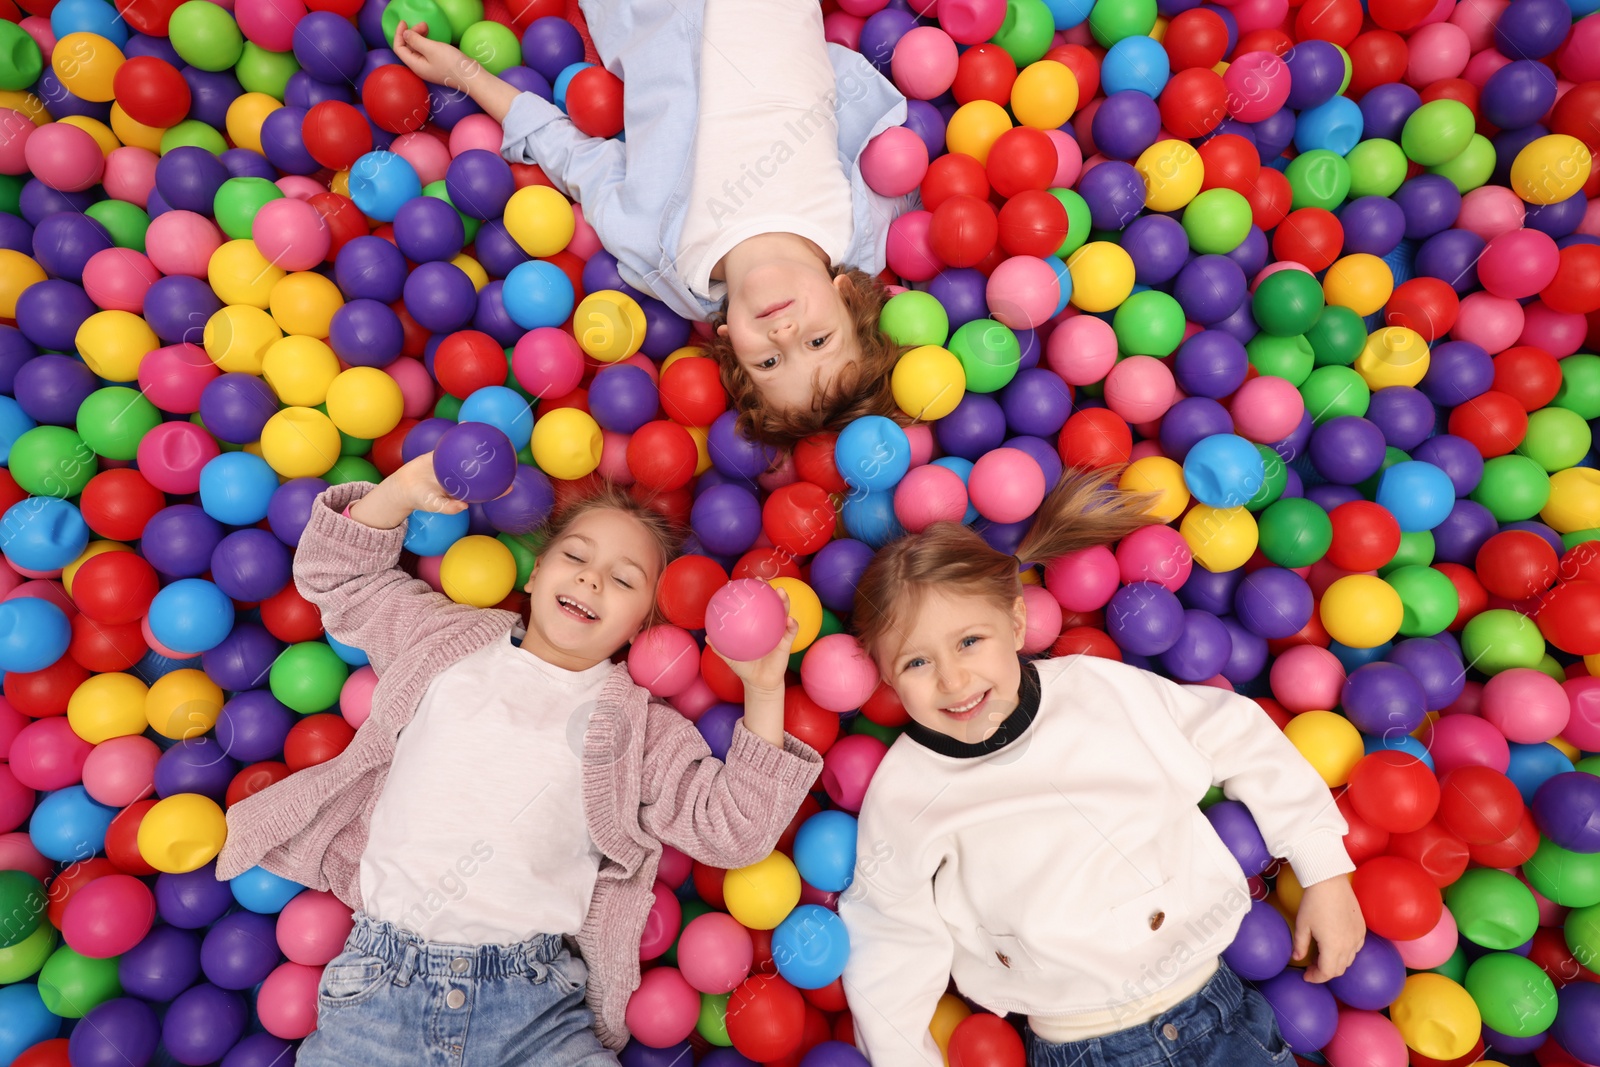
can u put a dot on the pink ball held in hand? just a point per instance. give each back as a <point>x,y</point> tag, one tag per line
<point>745,619</point>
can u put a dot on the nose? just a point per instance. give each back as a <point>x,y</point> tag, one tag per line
<point>589,576</point>
<point>952,679</point>
<point>782,328</point>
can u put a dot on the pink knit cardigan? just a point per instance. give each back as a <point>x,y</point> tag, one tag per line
<point>648,776</point>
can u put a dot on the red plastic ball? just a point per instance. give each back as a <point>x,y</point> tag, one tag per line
<point>1270,198</point>
<point>691,391</point>
<point>1195,38</point>
<point>809,721</point>
<point>1479,804</point>
<point>45,692</point>
<point>1458,89</point>
<point>115,587</point>
<point>594,102</point>
<point>12,493</point>
<point>985,1040</point>
<point>1549,950</point>
<point>1231,162</point>
<point>290,617</point>
<point>122,839</point>
<point>152,17</point>
<point>686,587</point>
<point>1569,617</point>
<point>1328,20</point>
<point>766,1017</point>
<point>829,998</point>
<point>1095,437</point>
<point>335,134</point>
<point>985,72</point>
<point>118,503</point>
<point>396,99</point>
<point>469,360</point>
<point>1427,305</point>
<point>385,454</point>
<point>152,91</point>
<point>1087,640</point>
<point>1311,237</point>
<point>316,739</point>
<point>1575,290</point>
<point>1394,791</point>
<point>808,807</point>
<point>813,461</point>
<point>1032,223</point>
<point>1516,564</point>
<point>1398,899</point>
<point>1194,102</point>
<point>1470,593</point>
<point>1266,39</point>
<point>720,677</point>
<point>253,779</point>
<point>101,648</point>
<point>954,174</point>
<point>767,564</point>
<point>1574,114</point>
<point>662,455</point>
<point>799,518</point>
<point>1514,851</point>
<point>51,1053</point>
<point>1436,850</point>
<point>964,230</point>
<point>1362,840</point>
<point>1084,63</point>
<point>1021,158</point>
<point>884,707</point>
<point>1529,375</point>
<point>674,505</point>
<point>1493,422</point>
<point>344,220</point>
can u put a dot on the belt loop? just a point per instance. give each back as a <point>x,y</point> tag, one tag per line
<point>407,963</point>
<point>1225,990</point>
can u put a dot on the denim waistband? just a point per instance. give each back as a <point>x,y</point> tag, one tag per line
<point>412,955</point>
<point>1212,1008</point>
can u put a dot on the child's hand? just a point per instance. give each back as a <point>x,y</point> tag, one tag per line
<point>1330,914</point>
<point>430,60</point>
<point>765,675</point>
<point>414,487</point>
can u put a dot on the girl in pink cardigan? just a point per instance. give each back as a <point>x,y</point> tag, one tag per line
<point>505,797</point>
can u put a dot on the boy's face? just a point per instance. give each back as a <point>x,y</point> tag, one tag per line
<point>591,590</point>
<point>791,332</point>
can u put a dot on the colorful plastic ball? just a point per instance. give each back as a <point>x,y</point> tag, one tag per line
<point>33,634</point>
<point>380,182</point>
<point>181,833</point>
<point>566,443</point>
<point>810,947</point>
<point>1102,276</point>
<point>1436,1016</point>
<point>64,157</point>
<point>1258,85</point>
<point>1223,470</point>
<point>1548,170</point>
<point>108,916</point>
<point>191,615</point>
<point>479,571</point>
<point>1023,292</point>
<point>1361,611</point>
<point>1564,808</point>
<point>745,619</point>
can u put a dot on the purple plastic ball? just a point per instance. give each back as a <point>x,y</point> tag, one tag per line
<point>1380,698</point>
<point>1385,108</point>
<point>1273,602</point>
<point>1125,124</point>
<point>203,1023</point>
<point>50,312</point>
<point>550,45</point>
<point>1518,94</point>
<point>38,200</point>
<point>304,91</point>
<point>15,351</point>
<point>260,1050</point>
<point>716,726</point>
<point>178,308</point>
<point>1240,325</point>
<point>1158,246</point>
<point>1247,653</point>
<point>1374,978</point>
<point>1436,668</point>
<point>833,1054</point>
<point>835,570</point>
<point>1452,257</point>
<point>1211,364</point>
<point>195,765</point>
<point>638,1055</point>
<point>733,453</point>
<point>370,268</point>
<point>235,407</point>
<point>492,317</point>
<point>140,44</point>
<point>165,963</point>
<point>1347,449</point>
<point>1457,372</point>
<point>1113,190</point>
<point>1234,824</point>
<point>1560,219</point>
<point>1036,402</point>
<point>194,899</point>
<point>1211,591</point>
<point>479,183</point>
<point>1202,649</point>
<point>240,950</point>
<point>189,177</point>
<point>975,427</point>
<point>427,229</point>
<point>1190,421</point>
<point>64,241</point>
<point>49,388</point>
<point>250,565</point>
<point>879,35</point>
<point>1577,1025</point>
<point>1431,203</point>
<point>528,80</point>
<point>727,519</point>
<point>423,438</point>
<point>366,333</point>
<point>665,331</point>
<point>446,107</point>
<point>329,47</point>
<point>1263,946</point>
<point>1532,29</point>
<point>1458,538</point>
<point>1144,618</point>
<point>1252,253</point>
<point>178,540</point>
<point>927,122</point>
<point>253,726</point>
<point>475,462</point>
<point>1456,457</point>
<point>1273,134</point>
<point>623,398</point>
<point>246,163</point>
<point>1210,288</point>
<point>1567,809</point>
<point>440,296</point>
<point>1372,224</point>
<point>961,291</point>
<point>1328,496</point>
<point>1307,1013</point>
<point>1316,71</point>
<point>290,508</point>
<point>526,506</point>
<point>115,1033</point>
<point>244,658</point>
<point>283,142</point>
<point>16,233</point>
<point>1403,415</point>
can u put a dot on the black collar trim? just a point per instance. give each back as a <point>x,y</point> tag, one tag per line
<point>1014,726</point>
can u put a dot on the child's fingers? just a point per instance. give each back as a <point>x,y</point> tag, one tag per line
<point>1302,939</point>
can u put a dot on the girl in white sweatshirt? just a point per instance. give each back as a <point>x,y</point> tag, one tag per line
<point>1035,830</point>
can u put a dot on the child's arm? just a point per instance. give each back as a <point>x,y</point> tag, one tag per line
<point>445,64</point>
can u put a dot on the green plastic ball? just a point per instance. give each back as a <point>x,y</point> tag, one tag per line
<point>524,551</point>
<point>1027,32</point>
<point>1148,323</point>
<point>1492,909</point>
<point>261,71</point>
<point>492,45</point>
<point>447,407</point>
<point>352,469</point>
<point>863,725</point>
<point>1289,358</point>
<point>52,461</point>
<point>1287,303</point>
<point>1513,488</point>
<point>462,16</point>
<point>237,201</point>
<point>1112,20</point>
<point>1549,665</point>
<point>1437,132</point>
<point>23,903</point>
<point>1318,178</point>
<point>308,676</point>
<point>1079,221</point>
<point>1333,390</point>
<point>1214,795</point>
<point>1499,639</point>
<point>192,133</point>
<point>1582,928</point>
<point>21,62</point>
<point>1295,532</point>
<point>1276,480</point>
<point>1571,879</point>
<point>11,193</point>
<point>1454,968</point>
<point>113,421</point>
<point>1513,994</point>
<point>1369,488</point>
<point>1338,337</point>
<point>24,959</point>
<point>1580,385</point>
<point>205,35</point>
<point>1472,168</point>
<point>1217,221</point>
<point>1574,538</point>
<point>713,1022</point>
<point>1428,600</point>
<point>1556,439</point>
<point>1416,550</point>
<point>413,13</point>
<point>71,985</point>
<point>1377,168</point>
<point>989,352</point>
<point>125,222</point>
<point>914,318</point>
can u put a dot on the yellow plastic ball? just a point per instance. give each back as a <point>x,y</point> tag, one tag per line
<point>566,443</point>
<point>1360,281</point>
<point>1221,539</point>
<point>135,133</point>
<point>1574,502</point>
<point>90,551</point>
<point>107,706</point>
<point>1361,611</point>
<point>1550,169</point>
<point>17,272</point>
<point>928,382</point>
<point>1329,742</point>
<point>762,895</point>
<point>975,127</point>
<point>1160,475</point>
<point>240,274</point>
<point>1173,173</point>
<point>245,116</point>
<point>102,134</point>
<point>184,703</point>
<point>237,338</point>
<point>304,302</point>
<point>300,370</point>
<point>1436,1017</point>
<point>1394,355</point>
<point>609,325</point>
<point>25,102</point>
<point>1561,744</point>
<point>1044,95</point>
<point>300,443</point>
<point>86,63</point>
<point>701,436</point>
<point>805,608</point>
<point>340,183</point>
<point>1289,890</point>
<point>365,402</point>
<point>113,343</point>
<point>182,833</point>
<point>1102,276</point>
<point>686,352</point>
<point>473,270</point>
<point>540,220</point>
<point>478,570</point>
<point>949,1013</point>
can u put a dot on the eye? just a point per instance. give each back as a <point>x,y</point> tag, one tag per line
<point>573,558</point>
<point>818,342</point>
<point>621,582</point>
<point>768,363</point>
<point>968,642</point>
<point>918,662</point>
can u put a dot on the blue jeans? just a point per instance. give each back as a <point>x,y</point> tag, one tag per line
<point>1226,1024</point>
<point>391,997</point>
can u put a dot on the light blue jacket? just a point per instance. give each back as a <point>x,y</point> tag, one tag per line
<point>635,193</point>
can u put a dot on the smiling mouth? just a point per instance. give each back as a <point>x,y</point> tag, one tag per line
<point>963,712</point>
<point>577,609</point>
<point>774,309</point>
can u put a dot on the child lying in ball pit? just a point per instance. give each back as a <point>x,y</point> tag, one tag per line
<point>1035,829</point>
<point>737,197</point>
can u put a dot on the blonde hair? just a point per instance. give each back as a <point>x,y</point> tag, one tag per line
<point>1083,511</point>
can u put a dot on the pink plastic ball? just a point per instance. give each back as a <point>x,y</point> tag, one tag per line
<point>1044,619</point>
<point>745,620</point>
<point>843,29</point>
<point>674,867</point>
<point>927,495</point>
<point>862,8</point>
<point>1550,913</point>
<point>181,242</point>
<point>117,279</point>
<point>920,437</point>
<point>1558,333</point>
<point>429,569</point>
<point>120,770</point>
<point>847,768</point>
<point>1482,66</point>
<point>1069,159</point>
<point>171,455</point>
<point>18,854</point>
<point>269,24</point>
<point>695,701</point>
<point>665,659</point>
<point>837,673</point>
<point>663,1010</point>
<point>1526,705</point>
<point>909,254</point>
<point>1083,580</point>
<point>661,925</point>
<point>1466,740</point>
<point>313,926</point>
<point>108,916</point>
<point>64,157</point>
<point>1006,485</point>
<point>173,378</point>
<point>1478,19</point>
<point>1491,210</point>
<point>547,362</point>
<point>39,29</point>
<point>1155,554</point>
<point>614,458</point>
<point>355,696</point>
<point>1258,14</point>
<point>130,174</point>
<point>895,161</point>
<point>1433,948</point>
<point>287,1002</point>
<point>155,644</point>
<point>44,589</point>
<point>1366,1038</point>
<point>47,754</point>
<point>11,720</point>
<point>1023,292</point>
<point>1437,51</point>
<point>291,233</point>
<point>1583,724</point>
<point>971,21</point>
<point>16,803</point>
<point>476,131</point>
<point>416,386</point>
<point>1307,678</point>
<point>1492,322</point>
<point>426,153</point>
<point>15,130</point>
<point>1258,85</point>
<point>299,187</point>
<point>715,953</point>
<point>585,241</point>
<point>1518,264</point>
<point>924,63</point>
<point>1266,409</point>
<point>1579,58</point>
<point>1140,389</point>
<point>1082,349</point>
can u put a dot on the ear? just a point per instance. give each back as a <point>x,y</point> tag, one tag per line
<point>722,331</point>
<point>842,283</point>
<point>533,572</point>
<point>1019,621</point>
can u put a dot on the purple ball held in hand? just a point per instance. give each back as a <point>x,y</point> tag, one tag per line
<point>474,462</point>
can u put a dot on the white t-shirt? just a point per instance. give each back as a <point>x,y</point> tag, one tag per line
<point>766,152</point>
<point>479,834</point>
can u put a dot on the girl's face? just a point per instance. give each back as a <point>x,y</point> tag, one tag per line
<point>591,590</point>
<point>791,330</point>
<point>955,664</point>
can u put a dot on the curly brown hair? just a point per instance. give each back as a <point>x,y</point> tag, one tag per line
<point>860,389</point>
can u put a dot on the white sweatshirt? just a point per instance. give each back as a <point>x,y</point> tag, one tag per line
<point>1063,867</point>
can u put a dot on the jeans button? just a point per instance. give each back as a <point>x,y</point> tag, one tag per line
<point>1169,1032</point>
<point>460,964</point>
<point>455,998</point>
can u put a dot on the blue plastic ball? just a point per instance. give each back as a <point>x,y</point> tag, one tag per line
<point>503,408</point>
<point>429,533</point>
<point>870,517</point>
<point>1419,495</point>
<point>872,453</point>
<point>538,294</point>
<point>1138,63</point>
<point>43,533</point>
<point>1224,470</point>
<point>34,633</point>
<point>825,850</point>
<point>236,488</point>
<point>191,615</point>
<point>263,892</point>
<point>380,182</point>
<point>810,947</point>
<point>68,825</point>
<point>24,1020</point>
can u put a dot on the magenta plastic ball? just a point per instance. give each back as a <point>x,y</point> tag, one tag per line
<point>847,768</point>
<point>108,916</point>
<point>291,233</point>
<point>837,673</point>
<point>312,927</point>
<point>745,619</point>
<point>927,495</point>
<point>665,660</point>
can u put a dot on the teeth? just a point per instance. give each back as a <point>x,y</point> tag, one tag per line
<point>575,606</point>
<point>968,706</point>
